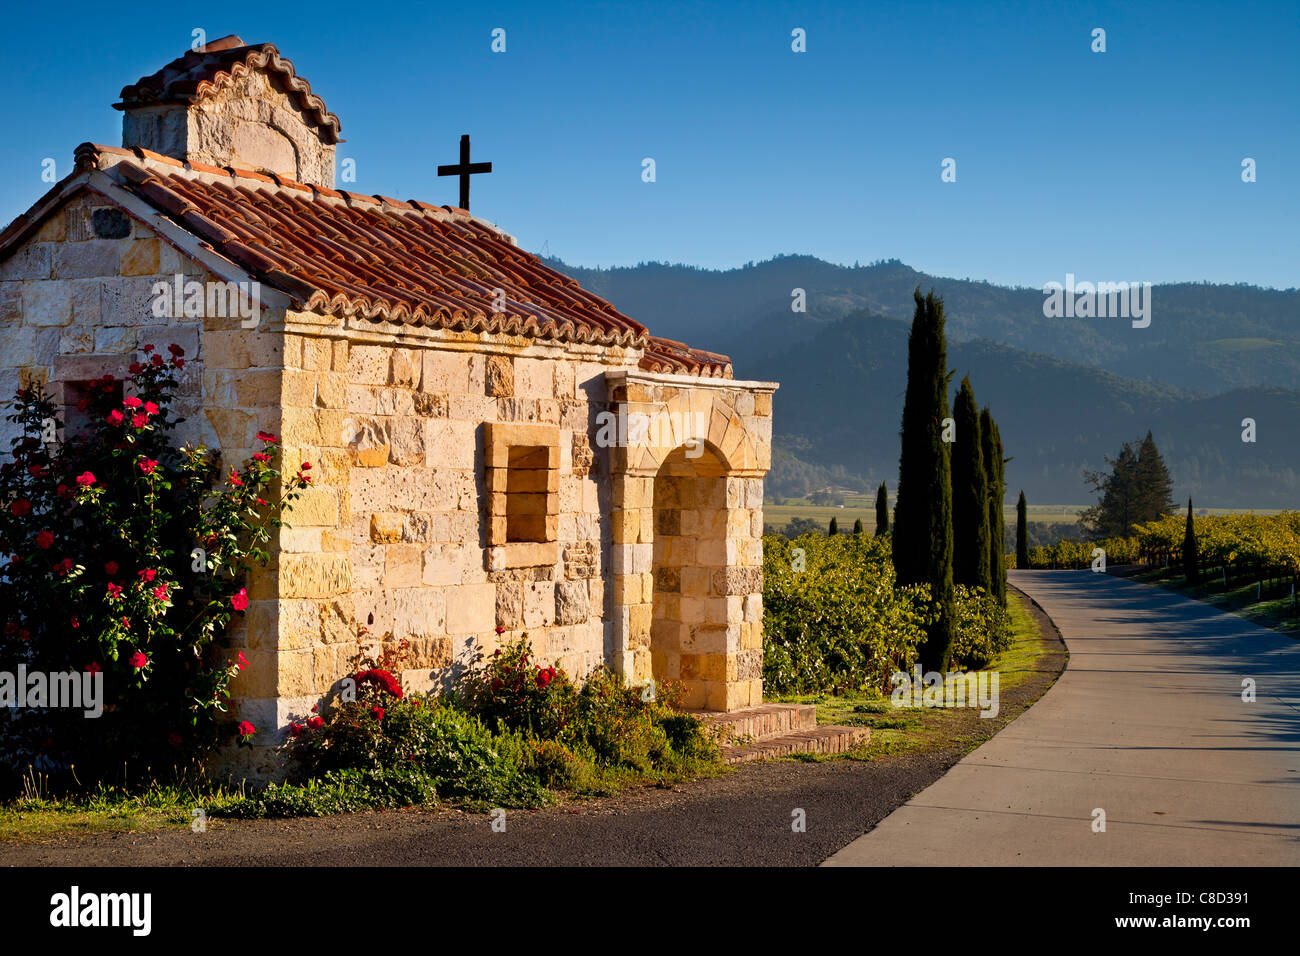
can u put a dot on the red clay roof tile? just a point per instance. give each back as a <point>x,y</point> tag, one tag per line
<point>387,260</point>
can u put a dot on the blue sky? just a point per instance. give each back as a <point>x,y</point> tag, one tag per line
<point>1123,165</point>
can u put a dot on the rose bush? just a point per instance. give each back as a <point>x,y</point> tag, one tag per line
<point>126,555</point>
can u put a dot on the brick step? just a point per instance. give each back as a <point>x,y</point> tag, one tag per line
<point>820,740</point>
<point>754,723</point>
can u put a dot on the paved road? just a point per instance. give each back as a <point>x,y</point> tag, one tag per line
<point>1147,723</point>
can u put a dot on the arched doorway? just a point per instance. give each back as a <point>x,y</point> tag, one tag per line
<point>689,635</point>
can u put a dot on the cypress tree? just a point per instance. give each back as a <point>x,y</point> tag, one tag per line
<point>1191,558</point>
<point>882,510</point>
<point>834,529</point>
<point>994,469</point>
<point>922,539</point>
<point>857,526</point>
<point>970,495</point>
<point>1022,532</point>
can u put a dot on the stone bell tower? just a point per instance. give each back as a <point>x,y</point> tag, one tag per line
<point>231,104</point>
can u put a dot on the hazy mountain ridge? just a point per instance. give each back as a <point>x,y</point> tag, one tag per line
<point>1057,419</point>
<point>1203,337</point>
<point>1066,392</point>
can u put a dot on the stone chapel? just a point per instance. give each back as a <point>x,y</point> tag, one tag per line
<point>493,446</point>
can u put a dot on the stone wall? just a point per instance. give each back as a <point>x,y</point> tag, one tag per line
<point>401,550</point>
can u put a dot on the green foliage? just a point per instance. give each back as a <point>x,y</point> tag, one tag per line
<point>857,527</point>
<point>995,471</point>
<point>1136,490</point>
<point>1022,533</point>
<point>834,620</point>
<point>128,556</point>
<point>833,528</point>
<point>882,510</point>
<point>1191,560</point>
<point>923,512</point>
<point>983,629</point>
<point>970,496</point>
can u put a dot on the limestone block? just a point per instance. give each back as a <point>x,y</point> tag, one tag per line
<point>499,376</point>
<point>314,575</point>
<point>317,507</point>
<point>406,441</point>
<point>571,605</point>
<point>539,604</point>
<point>509,604</point>
<point>403,565</point>
<point>471,608</point>
<point>33,261</point>
<point>386,528</point>
<point>367,364</point>
<point>534,378</point>
<point>450,444</point>
<point>395,401</point>
<point>46,303</point>
<point>446,371</point>
<point>140,258</point>
<point>405,368</point>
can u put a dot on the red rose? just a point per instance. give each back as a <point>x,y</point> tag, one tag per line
<point>64,566</point>
<point>267,437</point>
<point>378,712</point>
<point>115,417</point>
<point>20,508</point>
<point>110,568</point>
<point>176,350</point>
<point>246,729</point>
<point>315,722</point>
<point>146,349</point>
<point>179,363</point>
<point>132,402</point>
<point>155,360</point>
<point>150,408</point>
<point>136,368</point>
<point>295,729</point>
<point>85,479</point>
<point>139,660</point>
<point>44,539</point>
<point>243,661</point>
<point>147,465</point>
<point>240,601</point>
<point>139,421</point>
<point>160,592</point>
<point>114,591</point>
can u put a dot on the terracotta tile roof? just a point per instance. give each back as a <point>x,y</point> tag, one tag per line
<point>381,259</point>
<point>211,68</point>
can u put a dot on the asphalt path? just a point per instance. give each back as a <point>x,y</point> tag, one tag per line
<point>1147,726</point>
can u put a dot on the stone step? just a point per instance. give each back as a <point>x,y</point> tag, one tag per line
<point>754,723</point>
<point>822,740</point>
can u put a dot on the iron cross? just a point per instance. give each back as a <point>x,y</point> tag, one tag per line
<point>464,169</point>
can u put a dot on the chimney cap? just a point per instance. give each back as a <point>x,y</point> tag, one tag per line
<point>204,71</point>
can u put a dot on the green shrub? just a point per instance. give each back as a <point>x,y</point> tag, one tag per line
<point>983,629</point>
<point>833,622</point>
